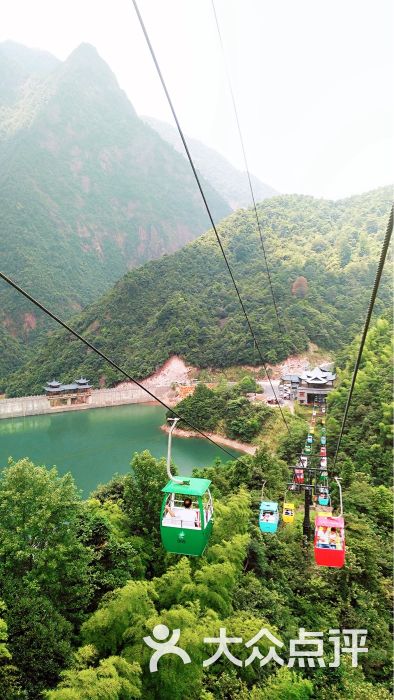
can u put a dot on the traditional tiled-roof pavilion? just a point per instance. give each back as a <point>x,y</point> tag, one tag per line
<point>67,394</point>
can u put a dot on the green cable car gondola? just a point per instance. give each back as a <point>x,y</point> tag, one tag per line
<point>186,516</point>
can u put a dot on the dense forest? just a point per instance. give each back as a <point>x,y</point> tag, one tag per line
<point>83,582</point>
<point>225,410</point>
<point>88,189</point>
<point>325,257</point>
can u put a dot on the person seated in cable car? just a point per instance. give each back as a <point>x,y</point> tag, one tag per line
<point>334,538</point>
<point>186,515</point>
<point>304,461</point>
<point>299,476</point>
<point>323,463</point>
<point>323,538</point>
<point>323,451</point>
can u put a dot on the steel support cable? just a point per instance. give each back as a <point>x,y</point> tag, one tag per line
<point>86,342</point>
<point>204,199</point>
<point>375,288</point>
<point>281,329</point>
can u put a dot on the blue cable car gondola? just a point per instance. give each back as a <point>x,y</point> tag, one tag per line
<point>323,440</point>
<point>269,516</point>
<point>309,439</point>
<point>324,497</point>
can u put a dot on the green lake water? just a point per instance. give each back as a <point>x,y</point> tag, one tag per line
<point>95,444</point>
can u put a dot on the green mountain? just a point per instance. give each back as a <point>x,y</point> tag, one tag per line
<point>87,189</point>
<point>323,257</point>
<point>224,177</point>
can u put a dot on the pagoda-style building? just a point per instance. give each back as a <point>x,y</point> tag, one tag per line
<point>68,394</point>
<point>314,385</point>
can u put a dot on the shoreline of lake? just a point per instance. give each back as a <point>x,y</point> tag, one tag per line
<point>220,439</point>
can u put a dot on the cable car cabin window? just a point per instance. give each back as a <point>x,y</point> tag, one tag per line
<point>329,538</point>
<point>267,516</point>
<point>178,512</point>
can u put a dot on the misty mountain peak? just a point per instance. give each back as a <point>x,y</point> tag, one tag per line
<point>85,60</point>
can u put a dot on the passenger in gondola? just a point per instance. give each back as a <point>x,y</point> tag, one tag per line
<point>187,514</point>
<point>323,538</point>
<point>333,538</point>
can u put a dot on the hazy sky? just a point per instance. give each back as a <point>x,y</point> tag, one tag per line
<point>313,79</point>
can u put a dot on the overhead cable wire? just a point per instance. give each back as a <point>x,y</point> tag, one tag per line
<point>281,329</point>
<point>86,342</point>
<point>205,200</point>
<point>375,288</point>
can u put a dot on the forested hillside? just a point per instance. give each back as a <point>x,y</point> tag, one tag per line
<point>87,189</point>
<point>85,581</point>
<point>231,183</point>
<point>368,439</point>
<point>323,257</point>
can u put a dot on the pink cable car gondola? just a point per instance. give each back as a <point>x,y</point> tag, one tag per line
<point>329,541</point>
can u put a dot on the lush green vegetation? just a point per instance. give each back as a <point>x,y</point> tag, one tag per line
<point>225,410</point>
<point>367,441</point>
<point>185,303</point>
<point>88,190</point>
<point>84,581</point>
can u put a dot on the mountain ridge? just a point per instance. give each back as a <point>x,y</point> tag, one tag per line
<point>184,304</point>
<point>230,182</point>
<point>87,190</point>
